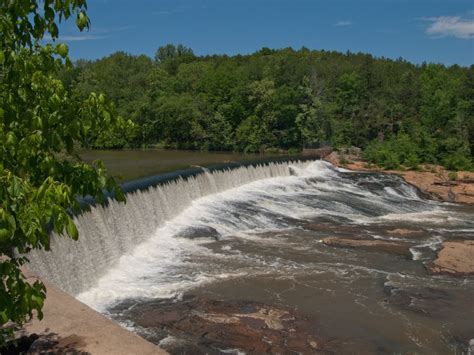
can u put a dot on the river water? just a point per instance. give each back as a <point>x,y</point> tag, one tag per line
<point>138,163</point>
<point>260,239</point>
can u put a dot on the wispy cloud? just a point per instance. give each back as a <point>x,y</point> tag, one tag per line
<point>85,37</point>
<point>94,34</point>
<point>80,38</point>
<point>343,23</point>
<point>101,30</point>
<point>450,26</point>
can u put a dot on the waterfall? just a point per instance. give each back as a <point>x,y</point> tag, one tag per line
<point>109,231</point>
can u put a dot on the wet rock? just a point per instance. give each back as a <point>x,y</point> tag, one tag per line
<point>199,232</point>
<point>201,325</point>
<point>326,227</point>
<point>369,244</point>
<point>461,344</point>
<point>427,301</point>
<point>403,232</point>
<point>456,258</point>
<point>434,183</point>
<point>345,156</point>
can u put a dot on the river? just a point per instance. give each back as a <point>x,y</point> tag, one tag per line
<point>256,235</point>
<point>138,163</point>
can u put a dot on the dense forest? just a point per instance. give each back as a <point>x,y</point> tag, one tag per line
<point>398,112</point>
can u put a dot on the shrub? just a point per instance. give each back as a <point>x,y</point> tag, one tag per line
<point>453,176</point>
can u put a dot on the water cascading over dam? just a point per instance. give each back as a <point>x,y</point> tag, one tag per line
<point>259,233</point>
<point>109,231</point>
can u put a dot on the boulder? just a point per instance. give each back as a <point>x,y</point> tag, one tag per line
<point>455,258</point>
<point>199,232</point>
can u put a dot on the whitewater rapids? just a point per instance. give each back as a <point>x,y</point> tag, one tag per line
<point>155,246</point>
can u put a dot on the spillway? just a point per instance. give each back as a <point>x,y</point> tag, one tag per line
<point>112,230</point>
<point>256,233</point>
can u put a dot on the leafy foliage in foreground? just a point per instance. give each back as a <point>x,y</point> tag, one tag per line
<point>290,99</point>
<point>39,123</point>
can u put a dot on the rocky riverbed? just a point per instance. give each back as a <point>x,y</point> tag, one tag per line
<point>455,258</point>
<point>199,325</point>
<point>325,260</point>
<point>433,180</point>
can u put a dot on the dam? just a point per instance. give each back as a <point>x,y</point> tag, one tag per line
<point>255,232</point>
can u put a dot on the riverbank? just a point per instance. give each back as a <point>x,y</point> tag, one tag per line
<point>433,180</point>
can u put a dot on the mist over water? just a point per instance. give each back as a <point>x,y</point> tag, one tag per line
<point>255,233</point>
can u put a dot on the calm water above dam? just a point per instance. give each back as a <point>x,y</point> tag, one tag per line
<point>135,164</point>
<point>255,234</point>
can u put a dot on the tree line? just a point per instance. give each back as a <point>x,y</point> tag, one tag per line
<point>397,112</point>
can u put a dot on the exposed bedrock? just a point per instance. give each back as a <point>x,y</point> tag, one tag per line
<point>455,258</point>
<point>206,326</point>
<point>435,182</point>
<point>397,248</point>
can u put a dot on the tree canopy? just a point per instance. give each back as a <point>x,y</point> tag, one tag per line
<point>40,123</point>
<point>287,99</point>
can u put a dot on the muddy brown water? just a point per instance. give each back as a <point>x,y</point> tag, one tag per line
<point>133,164</point>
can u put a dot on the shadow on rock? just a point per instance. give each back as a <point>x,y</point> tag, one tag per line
<point>47,343</point>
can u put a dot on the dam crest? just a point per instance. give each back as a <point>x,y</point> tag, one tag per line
<point>109,231</point>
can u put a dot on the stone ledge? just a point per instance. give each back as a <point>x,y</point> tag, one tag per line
<point>71,327</point>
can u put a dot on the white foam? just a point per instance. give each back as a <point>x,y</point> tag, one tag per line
<point>432,244</point>
<point>132,251</point>
<point>436,216</point>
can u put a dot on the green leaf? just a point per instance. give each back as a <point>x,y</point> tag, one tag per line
<point>72,229</point>
<point>62,49</point>
<point>82,20</point>
<point>4,234</point>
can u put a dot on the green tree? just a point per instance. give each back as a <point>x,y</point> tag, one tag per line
<point>177,121</point>
<point>171,56</point>
<point>170,51</point>
<point>39,123</point>
<point>312,120</point>
<point>466,106</point>
<point>257,101</point>
<point>124,78</point>
<point>249,135</point>
<point>346,107</point>
<point>262,94</point>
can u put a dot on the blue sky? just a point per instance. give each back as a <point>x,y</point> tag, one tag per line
<point>439,31</point>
